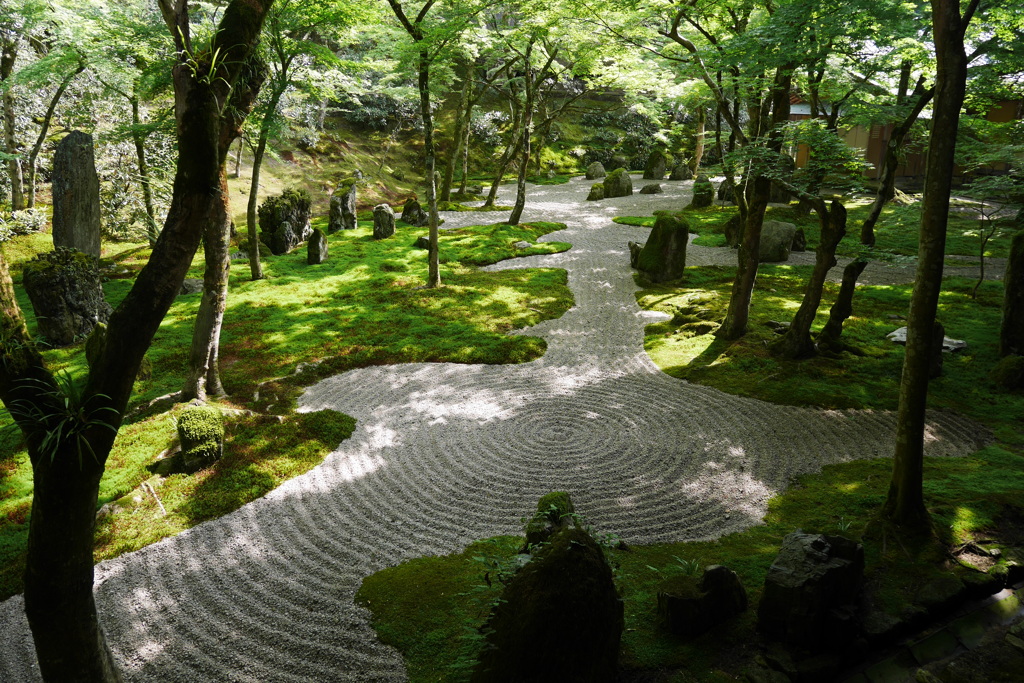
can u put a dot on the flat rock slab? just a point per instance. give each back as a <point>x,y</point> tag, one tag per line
<point>948,345</point>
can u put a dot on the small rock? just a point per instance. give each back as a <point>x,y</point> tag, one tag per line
<point>522,245</point>
<point>595,171</point>
<point>383,222</point>
<point>651,188</point>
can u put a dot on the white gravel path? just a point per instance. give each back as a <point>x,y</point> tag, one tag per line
<point>444,454</point>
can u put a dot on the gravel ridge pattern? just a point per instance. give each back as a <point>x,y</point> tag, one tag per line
<point>444,454</point>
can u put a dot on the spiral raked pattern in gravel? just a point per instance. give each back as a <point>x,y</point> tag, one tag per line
<point>444,454</point>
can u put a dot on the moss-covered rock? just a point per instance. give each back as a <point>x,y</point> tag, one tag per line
<point>663,258</point>
<point>1009,373</point>
<point>66,294</point>
<point>703,193</point>
<point>596,192</point>
<point>559,619</point>
<point>618,184</point>
<point>554,511</point>
<point>284,220</point>
<point>201,433</point>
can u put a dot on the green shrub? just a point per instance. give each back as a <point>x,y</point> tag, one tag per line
<point>201,432</point>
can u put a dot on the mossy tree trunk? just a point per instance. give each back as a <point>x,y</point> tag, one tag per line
<point>59,603</point>
<point>8,56</point>
<point>698,150</point>
<point>842,309</point>
<point>904,503</point>
<point>203,377</point>
<point>797,342</point>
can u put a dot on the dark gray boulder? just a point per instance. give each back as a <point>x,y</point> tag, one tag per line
<point>776,241</point>
<point>703,193</point>
<point>76,195</point>
<point>413,213</point>
<point>651,188</point>
<point>383,222</point>
<point>66,294</point>
<point>618,184</point>
<point>681,171</point>
<point>559,619</point>
<point>342,215</point>
<point>316,247</point>
<point>595,171</point>
<point>656,166</point>
<point>810,590</point>
<point>634,253</point>
<point>284,221</point>
<point>663,257</point>
<point>688,608</point>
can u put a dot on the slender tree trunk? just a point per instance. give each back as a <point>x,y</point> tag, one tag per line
<point>238,158</point>
<point>842,309</point>
<point>904,504</point>
<point>457,136</point>
<point>893,148</point>
<point>251,228</point>
<point>465,155</point>
<point>797,342</point>
<point>44,129</point>
<point>8,55</point>
<point>698,152</point>
<point>737,316</point>
<point>433,270</point>
<point>520,203</point>
<point>152,230</point>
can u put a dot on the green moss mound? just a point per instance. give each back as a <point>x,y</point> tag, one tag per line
<point>201,431</point>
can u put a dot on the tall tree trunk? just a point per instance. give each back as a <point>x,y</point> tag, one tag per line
<point>152,231</point>
<point>433,270</point>
<point>465,156</point>
<point>887,183</point>
<point>251,228</point>
<point>797,342</point>
<point>461,121</point>
<point>698,151</point>
<point>904,504</point>
<point>738,313</point>
<point>510,153</point>
<point>524,163</point>
<point>8,56</point>
<point>238,157</point>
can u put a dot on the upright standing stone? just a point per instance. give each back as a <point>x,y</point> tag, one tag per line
<point>618,184</point>
<point>703,193</point>
<point>316,248</point>
<point>776,241</point>
<point>342,214</point>
<point>655,168</point>
<point>284,221</point>
<point>663,258</point>
<point>383,222</point>
<point>681,171</point>
<point>76,195</point>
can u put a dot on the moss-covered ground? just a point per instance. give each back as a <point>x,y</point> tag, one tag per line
<point>972,499</point>
<point>363,306</point>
